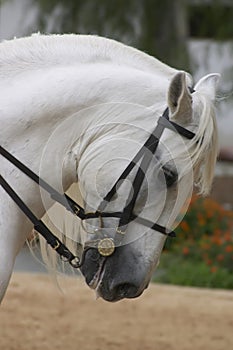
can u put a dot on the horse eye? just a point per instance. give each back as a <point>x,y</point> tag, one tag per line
<point>170,175</point>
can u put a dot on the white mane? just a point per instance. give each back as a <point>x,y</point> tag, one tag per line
<point>205,145</point>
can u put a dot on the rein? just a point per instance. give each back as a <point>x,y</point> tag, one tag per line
<point>104,246</point>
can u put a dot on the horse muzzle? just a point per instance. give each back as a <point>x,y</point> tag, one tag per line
<point>115,277</point>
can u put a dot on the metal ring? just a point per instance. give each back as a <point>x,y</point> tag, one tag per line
<point>75,262</point>
<point>96,230</point>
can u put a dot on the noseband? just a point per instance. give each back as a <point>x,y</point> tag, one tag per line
<point>104,246</point>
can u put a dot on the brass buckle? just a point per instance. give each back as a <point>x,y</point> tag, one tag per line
<point>57,245</point>
<point>76,210</point>
<point>106,246</point>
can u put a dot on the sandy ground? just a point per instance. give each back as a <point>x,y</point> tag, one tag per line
<point>35,315</point>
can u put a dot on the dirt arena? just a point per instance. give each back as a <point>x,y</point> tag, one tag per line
<point>35,315</point>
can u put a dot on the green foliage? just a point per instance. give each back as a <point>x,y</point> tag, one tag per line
<point>165,30</point>
<point>175,269</point>
<point>100,17</point>
<point>202,254</point>
<point>211,21</point>
<point>150,25</point>
<point>159,27</point>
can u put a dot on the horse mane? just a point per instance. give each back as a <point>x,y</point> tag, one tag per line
<point>205,144</point>
<point>44,51</point>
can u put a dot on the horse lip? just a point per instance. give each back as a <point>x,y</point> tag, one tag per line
<point>113,298</point>
<point>97,278</point>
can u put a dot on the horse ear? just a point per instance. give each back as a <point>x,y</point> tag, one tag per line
<point>208,85</point>
<point>179,99</point>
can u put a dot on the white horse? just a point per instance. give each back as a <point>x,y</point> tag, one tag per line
<point>78,108</point>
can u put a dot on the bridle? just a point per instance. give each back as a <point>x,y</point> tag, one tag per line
<point>105,246</point>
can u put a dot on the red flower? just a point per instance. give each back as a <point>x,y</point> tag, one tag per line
<point>220,257</point>
<point>184,226</point>
<point>213,269</point>
<point>229,249</point>
<point>186,250</point>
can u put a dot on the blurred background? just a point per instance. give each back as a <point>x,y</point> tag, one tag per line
<point>193,35</point>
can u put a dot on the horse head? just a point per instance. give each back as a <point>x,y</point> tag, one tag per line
<point>178,164</point>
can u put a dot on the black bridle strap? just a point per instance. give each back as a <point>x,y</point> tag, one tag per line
<point>146,153</point>
<point>155,226</point>
<point>169,124</point>
<point>64,200</point>
<point>140,175</point>
<point>40,227</point>
<point>151,141</point>
<point>125,217</point>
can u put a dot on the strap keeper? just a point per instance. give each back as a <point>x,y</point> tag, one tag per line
<point>79,211</point>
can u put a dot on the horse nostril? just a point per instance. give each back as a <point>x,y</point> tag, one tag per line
<point>125,290</point>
